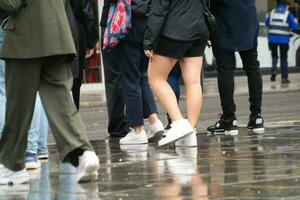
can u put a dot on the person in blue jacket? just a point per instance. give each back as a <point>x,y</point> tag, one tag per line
<point>237,30</point>
<point>280,21</point>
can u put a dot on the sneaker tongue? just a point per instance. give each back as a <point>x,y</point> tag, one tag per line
<point>259,121</point>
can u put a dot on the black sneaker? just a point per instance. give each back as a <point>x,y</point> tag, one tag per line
<point>285,81</point>
<point>256,124</point>
<point>273,77</point>
<point>224,126</point>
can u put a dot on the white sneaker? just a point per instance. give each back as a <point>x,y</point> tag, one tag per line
<point>179,129</point>
<point>9,177</point>
<point>88,167</point>
<point>156,131</point>
<point>133,138</point>
<point>33,165</point>
<point>188,141</point>
<point>137,152</point>
<point>31,161</point>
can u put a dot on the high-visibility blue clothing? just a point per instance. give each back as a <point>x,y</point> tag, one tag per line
<point>279,22</point>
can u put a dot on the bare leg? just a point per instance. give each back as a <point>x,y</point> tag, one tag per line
<point>158,71</point>
<point>138,129</point>
<point>191,70</point>
<point>153,118</point>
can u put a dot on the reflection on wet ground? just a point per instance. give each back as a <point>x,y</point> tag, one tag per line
<point>248,166</point>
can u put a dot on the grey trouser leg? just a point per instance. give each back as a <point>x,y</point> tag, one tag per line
<point>53,78</point>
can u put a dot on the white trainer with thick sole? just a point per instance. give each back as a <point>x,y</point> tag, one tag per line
<point>9,177</point>
<point>188,141</point>
<point>179,129</point>
<point>155,131</point>
<point>133,138</point>
<point>87,169</point>
<point>33,165</point>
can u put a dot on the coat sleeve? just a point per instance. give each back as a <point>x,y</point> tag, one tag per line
<point>90,23</point>
<point>267,20</point>
<point>292,22</point>
<point>159,11</point>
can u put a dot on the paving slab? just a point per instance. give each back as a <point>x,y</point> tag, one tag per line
<point>248,166</point>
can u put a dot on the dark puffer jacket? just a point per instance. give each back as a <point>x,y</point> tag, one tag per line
<point>87,32</point>
<point>86,20</point>
<point>181,20</point>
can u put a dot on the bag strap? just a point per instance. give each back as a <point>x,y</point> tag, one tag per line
<point>206,9</point>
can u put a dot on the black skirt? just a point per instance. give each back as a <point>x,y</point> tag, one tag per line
<point>180,49</point>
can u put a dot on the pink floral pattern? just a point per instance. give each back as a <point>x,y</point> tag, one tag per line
<point>118,23</point>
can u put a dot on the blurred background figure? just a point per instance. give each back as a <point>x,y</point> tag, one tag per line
<point>118,125</point>
<point>87,38</point>
<point>280,21</point>
<point>237,31</point>
<point>138,96</point>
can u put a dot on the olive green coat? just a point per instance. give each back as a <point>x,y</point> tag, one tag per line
<point>39,30</point>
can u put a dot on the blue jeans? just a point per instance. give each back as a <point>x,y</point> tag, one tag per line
<point>37,137</point>
<point>174,80</point>
<point>2,88</point>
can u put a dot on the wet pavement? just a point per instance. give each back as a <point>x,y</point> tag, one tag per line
<point>248,166</point>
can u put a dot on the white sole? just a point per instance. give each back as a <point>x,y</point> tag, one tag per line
<point>257,130</point>
<point>32,166</point>
<point>15,181</point>
<point>164,142</point>
<point>181,145</point>
<point>232,133</point>
<point>134,143</point>
<point>43,157</point>
<point>192,144</point>
<point>88,174</point>
<point>215,133</point>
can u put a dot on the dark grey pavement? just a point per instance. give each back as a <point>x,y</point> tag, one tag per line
<point>248,166</point>
<point>265,166</point>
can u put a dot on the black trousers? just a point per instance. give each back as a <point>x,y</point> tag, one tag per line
<point>226,64</point>
<point>77,82</point>
<point>138,96</point>
<point>118,123</point>
<point>283,48</point>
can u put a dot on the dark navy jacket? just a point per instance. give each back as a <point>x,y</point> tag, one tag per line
<point>237,24</point>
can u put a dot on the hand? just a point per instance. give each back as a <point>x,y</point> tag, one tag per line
<point>149,53</point>
<point>89,53</point>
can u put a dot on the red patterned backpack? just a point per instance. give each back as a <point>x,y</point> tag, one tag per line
<point>118,23</point>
